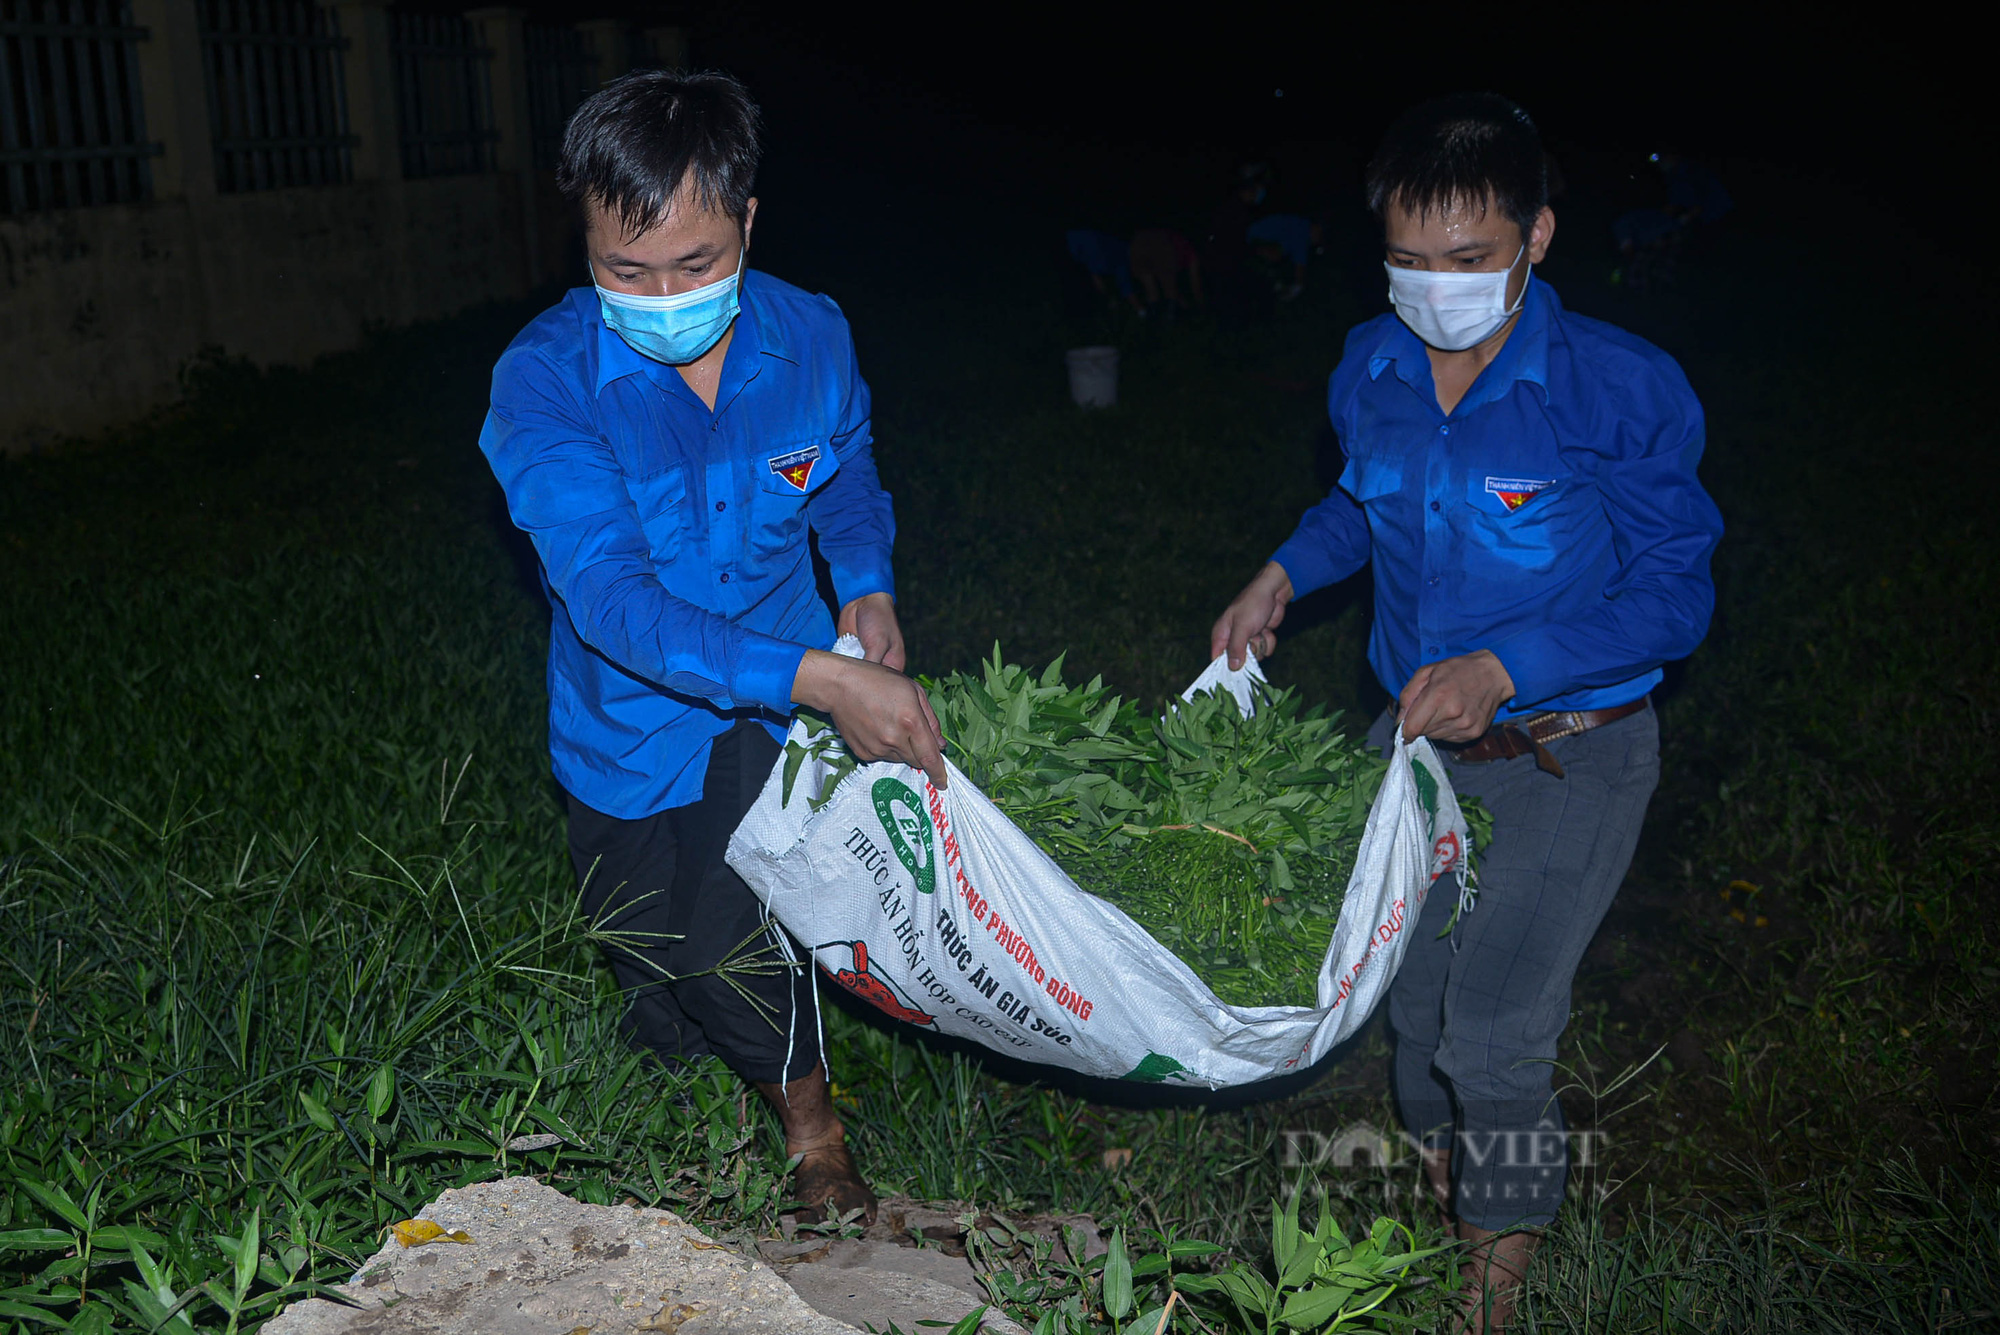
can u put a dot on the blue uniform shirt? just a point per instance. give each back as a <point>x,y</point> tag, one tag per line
<point>1288,231</point>
<point>1103,254</point>
<point>673,539</point>
<point>1552,517</point>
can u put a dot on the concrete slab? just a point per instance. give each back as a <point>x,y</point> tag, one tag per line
<point>870,1283</point>
<point>540,1263</point>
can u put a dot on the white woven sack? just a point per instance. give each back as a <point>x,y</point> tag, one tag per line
<point>937,909</point>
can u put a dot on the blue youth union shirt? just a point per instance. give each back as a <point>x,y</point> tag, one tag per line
<point>1552,517</point>
<point>673,539</point>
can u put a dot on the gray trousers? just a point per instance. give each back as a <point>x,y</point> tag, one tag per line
<point>1476,1016</point>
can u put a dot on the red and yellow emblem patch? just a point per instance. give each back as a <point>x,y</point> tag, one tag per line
<point>1515,492</point>
<point>797,467</point>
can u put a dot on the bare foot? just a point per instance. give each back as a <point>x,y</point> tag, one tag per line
<point>1492,1273</point>
<point>826,1178</point>
<point>829,1186</point>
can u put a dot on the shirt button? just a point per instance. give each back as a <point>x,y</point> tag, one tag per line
<point>722,505</point>
<point>1436,506</point>
<point>1435,579</point>
<point>1433,649</point>
<point>725,578</point>
<point>1444,430</point>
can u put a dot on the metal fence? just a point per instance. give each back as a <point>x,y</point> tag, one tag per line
<point>72,131</point>
<point>277,99</point>
<point>562,71</point>
<point>444,95</point>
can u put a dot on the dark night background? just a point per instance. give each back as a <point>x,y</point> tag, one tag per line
<point>994,118</point>
<point>1085,100</point>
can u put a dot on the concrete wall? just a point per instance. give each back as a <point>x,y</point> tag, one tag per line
<point>104,307</point>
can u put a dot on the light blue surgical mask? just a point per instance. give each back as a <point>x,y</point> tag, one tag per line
<point>676,329</point>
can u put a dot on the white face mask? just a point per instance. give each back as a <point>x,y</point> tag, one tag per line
<point>1453,311</point>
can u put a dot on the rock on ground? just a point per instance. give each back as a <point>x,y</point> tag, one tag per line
<point>540,1263</point>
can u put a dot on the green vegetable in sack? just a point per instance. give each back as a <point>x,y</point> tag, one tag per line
<point>1229,839</point>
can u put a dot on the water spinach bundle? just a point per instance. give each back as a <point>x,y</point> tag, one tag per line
<point>1229,839</point>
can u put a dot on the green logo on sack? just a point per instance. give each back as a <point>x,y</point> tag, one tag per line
<point>1155,1067</point>
<point>1427,788</point>
<point>909,829</point>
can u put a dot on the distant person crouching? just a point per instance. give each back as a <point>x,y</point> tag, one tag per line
<point>1289,239</point>
<point>1159,256</point>
<point>1650,240</point>
<point>1225,252</point>
<point>1105,258</point>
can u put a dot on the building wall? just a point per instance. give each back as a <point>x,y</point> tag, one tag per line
<point>104,307</point>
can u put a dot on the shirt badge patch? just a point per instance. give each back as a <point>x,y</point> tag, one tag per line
<point>797,467</point>
<point>1515,492</point>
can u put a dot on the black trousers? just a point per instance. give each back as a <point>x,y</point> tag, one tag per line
<point>685,937</point>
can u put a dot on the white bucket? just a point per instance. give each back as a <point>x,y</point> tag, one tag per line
<point>1093,376</point>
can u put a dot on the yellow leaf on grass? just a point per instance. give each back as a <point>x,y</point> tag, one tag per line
<point>417,1232</point>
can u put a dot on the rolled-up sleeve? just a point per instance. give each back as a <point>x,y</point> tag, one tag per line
<point>852,513</point>
<point>565,490</point>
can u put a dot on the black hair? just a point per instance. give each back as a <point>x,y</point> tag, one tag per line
<point>635,141</point>
<point>1477,150</point>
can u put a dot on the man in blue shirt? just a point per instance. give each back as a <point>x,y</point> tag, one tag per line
<point>1104,256</point>
<point>1291,237</point>
<point>1523,482</point>
<point>668,440</point>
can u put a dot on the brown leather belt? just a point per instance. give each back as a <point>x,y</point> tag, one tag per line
<point>1530,736</point>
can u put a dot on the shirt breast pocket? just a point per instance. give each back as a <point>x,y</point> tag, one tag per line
<point>1525,516</point>
<point>662,502</point>
<point>786,480</point>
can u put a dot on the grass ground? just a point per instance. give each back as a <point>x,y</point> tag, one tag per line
<point>286,920</point>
